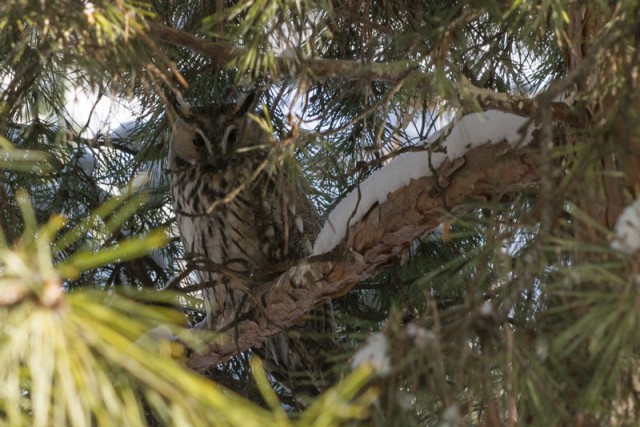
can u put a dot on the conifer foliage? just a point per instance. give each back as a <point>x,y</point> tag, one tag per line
<point>498,286</point>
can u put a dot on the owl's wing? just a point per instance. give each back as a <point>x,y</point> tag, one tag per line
<point>287,218</point>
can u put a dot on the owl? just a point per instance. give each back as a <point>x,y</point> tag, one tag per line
<point>238,213</point>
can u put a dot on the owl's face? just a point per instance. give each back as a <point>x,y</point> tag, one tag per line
<point>211,134</point>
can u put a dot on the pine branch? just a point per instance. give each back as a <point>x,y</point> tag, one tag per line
<point>223,53</point>
<point>376,241</point>
<point>523,106</point>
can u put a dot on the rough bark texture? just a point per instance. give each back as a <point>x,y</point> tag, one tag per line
<point>615,176</point>
<point>376,240</point>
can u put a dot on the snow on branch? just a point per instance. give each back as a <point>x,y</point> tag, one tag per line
<point>488,154</point>
<point>470,132</point>
<point>627,229</point>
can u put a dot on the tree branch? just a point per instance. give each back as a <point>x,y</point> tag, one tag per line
<point>223,53</point>
<point>520,105</point>
<point>375,241</point>
<point>319,68</point>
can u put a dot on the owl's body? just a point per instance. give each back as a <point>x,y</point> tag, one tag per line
<point>238,214</point>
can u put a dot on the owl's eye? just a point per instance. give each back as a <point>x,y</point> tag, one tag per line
<point>232,138</point>
<point>198,140</point>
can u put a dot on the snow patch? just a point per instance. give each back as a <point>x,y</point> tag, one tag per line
<point>374,353</point>
<point>450,416</point>
<point>146,180</point>
<point>406,400</point>
<point>470,132</point>
<point>159,258</point>
<point>486,309</point>
<point>627,229</point>
<point>125,130</point>
<point>87,161</point>
<point>422,337</point>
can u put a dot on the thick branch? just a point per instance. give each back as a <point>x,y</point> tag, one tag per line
<point>520,105</point>
<point>376,240</point>
<point>218,52</point>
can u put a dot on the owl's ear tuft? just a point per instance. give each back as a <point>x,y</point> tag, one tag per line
<point>181,107</point>
<point>247,104</point>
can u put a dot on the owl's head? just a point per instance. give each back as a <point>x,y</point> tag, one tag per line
<point>211,133</point>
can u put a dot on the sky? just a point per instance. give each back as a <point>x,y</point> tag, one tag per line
<point>97,114</point>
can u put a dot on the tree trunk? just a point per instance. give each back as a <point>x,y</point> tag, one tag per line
<point>615,178</point>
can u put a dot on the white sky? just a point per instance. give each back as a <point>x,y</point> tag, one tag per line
<point>103,115</point>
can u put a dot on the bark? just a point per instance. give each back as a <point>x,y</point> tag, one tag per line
<point>617,150</point>
<point>376,241</point>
